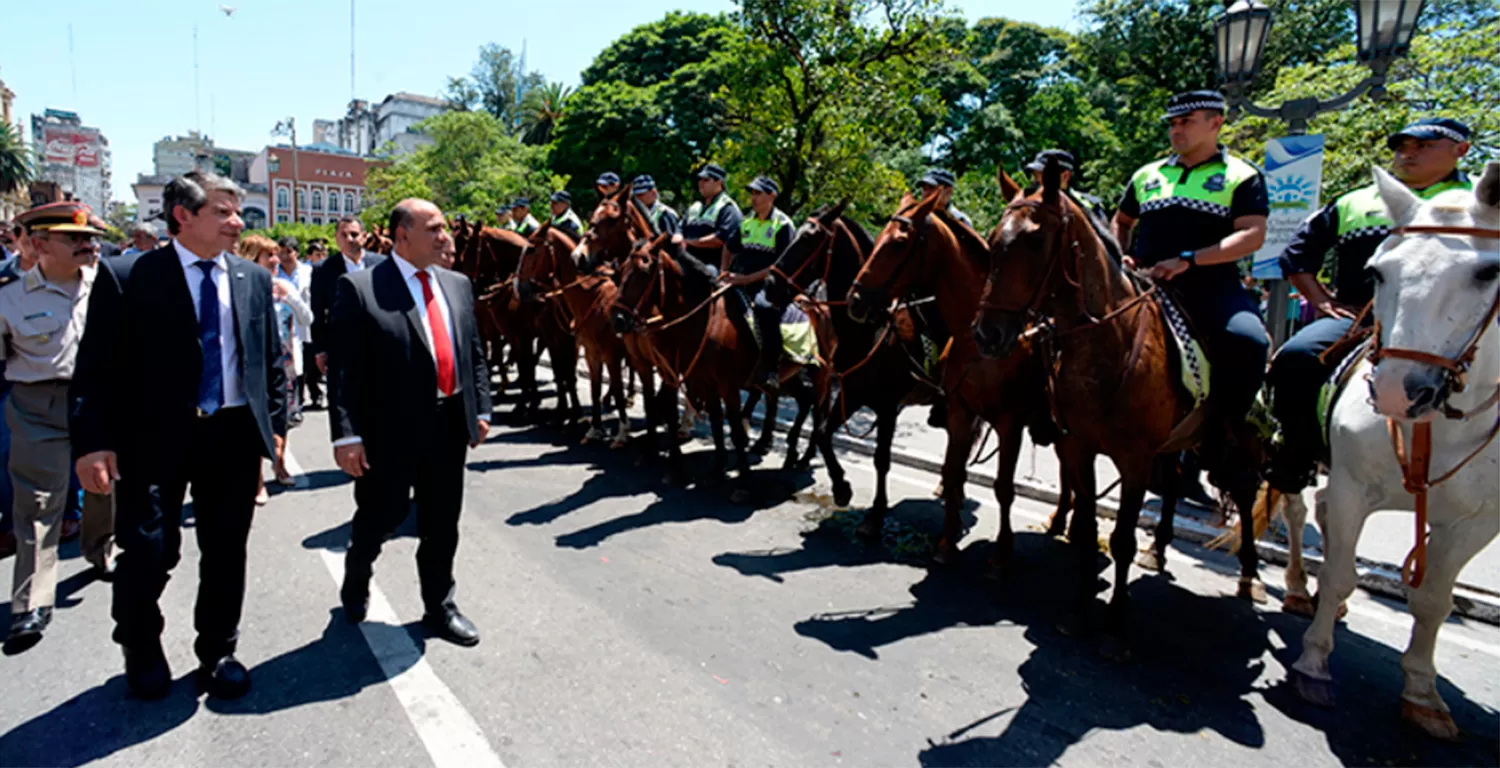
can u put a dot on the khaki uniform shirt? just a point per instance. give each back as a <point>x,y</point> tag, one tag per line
<point>41,324</point>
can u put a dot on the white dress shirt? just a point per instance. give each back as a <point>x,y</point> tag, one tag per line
<point>229,351</point>
<point>351,265</point>
<point>409,276</point>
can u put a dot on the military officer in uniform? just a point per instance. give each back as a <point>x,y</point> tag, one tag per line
<point>763,236</point>
<point>563,217</point>
<point>663,218</point>
<point>42,318</point>
<point>1425,157</point>
<point>520,220</point>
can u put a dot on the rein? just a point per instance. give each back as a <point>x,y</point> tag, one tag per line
<point>1416,464</point>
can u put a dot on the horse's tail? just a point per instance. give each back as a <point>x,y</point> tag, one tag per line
<point>1268,506</point>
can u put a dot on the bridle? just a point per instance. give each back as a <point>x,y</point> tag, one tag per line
<point>1416,464</point>
<point>824,250</point>
<point>916,244</point>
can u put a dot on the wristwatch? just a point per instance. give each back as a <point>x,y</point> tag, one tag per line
<point>1191,257</point>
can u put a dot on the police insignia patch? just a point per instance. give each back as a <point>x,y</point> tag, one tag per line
<point>1153,185</point>
<point>1215,183</point>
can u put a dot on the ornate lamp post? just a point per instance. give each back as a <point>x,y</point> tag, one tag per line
<point>1384,29</point>
<point>284,128</point>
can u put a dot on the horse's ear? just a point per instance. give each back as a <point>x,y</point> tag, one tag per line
<point>928,205</point>
<point>835,213</point>
<point>1487,191</point>
<point>1051,181</point>
<point>1401,203</point>
<point>1009,189</point>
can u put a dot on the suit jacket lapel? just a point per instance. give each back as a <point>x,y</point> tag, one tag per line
<point>240,301</point>
<point>388,271</point>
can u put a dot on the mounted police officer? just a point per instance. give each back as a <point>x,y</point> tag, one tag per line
<point>563,217</point>
<point>1425,157</point>
<point>607,184</point>
<point>663,219</point>
<point>763,236</point>
<point>943,181</point>
<point>711,228</point>
<point>1195,215</point>
<point>520,220</point>
<point>1067,163</point>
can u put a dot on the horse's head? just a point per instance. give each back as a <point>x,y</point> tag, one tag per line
<point>639,277</point>
<point>899,258</point>
<point>1437,278</point>
<point>614,226</point>
<point>1028,243</point>
<point>807,256</point>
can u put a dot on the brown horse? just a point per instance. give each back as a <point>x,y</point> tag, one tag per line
<point>548,273</point>
<point>1112,388</point>
<point>922,250</point>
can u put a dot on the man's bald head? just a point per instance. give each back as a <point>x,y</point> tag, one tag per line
<point>420,233</point>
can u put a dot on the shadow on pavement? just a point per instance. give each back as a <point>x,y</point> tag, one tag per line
<point>96,724</point>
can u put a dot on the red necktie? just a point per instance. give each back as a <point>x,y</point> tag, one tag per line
<point>442,346</point>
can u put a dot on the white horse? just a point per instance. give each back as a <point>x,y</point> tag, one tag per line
<point>1435,305</point>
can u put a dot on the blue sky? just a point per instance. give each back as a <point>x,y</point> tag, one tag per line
<point>132,71</point>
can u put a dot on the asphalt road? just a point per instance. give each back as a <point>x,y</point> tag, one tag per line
<point>630,624</point>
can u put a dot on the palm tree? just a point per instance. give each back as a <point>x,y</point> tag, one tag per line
<point>15,161</point>
<point>541,109</point>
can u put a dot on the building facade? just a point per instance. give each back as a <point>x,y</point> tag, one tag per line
<point>72,156</point>
<point>174,156</point>
<point>366,129</point>
<point>315,184</point>
<point>11,205</point>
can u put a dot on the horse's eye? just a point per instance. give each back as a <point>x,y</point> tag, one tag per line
<point>1487,273</point>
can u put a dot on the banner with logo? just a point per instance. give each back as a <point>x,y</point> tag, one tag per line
<point>64,145</point>
<point>1294,176</point>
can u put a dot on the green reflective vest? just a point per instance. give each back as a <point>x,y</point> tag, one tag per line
<point>1362,213</point>
<point>700,215</point>
<point>526,227</point>
<point>761,235</point>
<point>1160,185</point>
<point>568,216</point>
<point>657,211</point>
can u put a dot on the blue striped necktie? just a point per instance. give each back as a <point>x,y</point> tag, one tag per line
<point>211,385</point>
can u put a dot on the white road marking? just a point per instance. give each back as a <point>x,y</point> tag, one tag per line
<point>451,735</point>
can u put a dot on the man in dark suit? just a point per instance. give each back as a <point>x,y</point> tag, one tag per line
<point>409,394</point>
<point>200,322</point>
<point>352,257</point>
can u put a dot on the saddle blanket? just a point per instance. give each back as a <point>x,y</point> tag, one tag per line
<point>799,342</point>
<point>1192,364</point>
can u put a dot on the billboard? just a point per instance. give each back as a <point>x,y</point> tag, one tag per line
<point>66,145</point>
<point>1294,176</point>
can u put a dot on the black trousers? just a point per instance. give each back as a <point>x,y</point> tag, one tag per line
<point>432,469</point>
<point>221,467</point>
<point>310,383</point>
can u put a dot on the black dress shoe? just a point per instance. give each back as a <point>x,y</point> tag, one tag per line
<point>453,627</point>
<point>355,596</point>
<point>147,673</point>
<point>26,629</point>
<point>226,678</point>
<point>355,610</point>
<point>104,571</point>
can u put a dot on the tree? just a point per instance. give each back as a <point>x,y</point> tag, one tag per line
<point>15,161</point>
<point>541,110</point>
<point>495,85</point>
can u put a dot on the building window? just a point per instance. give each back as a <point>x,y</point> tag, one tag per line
<point>302,201</point>
<point>317,200</point>
<point>254,218</point>
<point>281,198</point>
<point>302,219</point>
<point>281,218</point>
<point>349,206</point>
<point>317,219</point>
<point>333,202</point>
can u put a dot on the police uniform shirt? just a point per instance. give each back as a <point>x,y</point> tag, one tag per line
<point>41,323</point>
<point>1179,208</point>
<point>762,242</point>
<point>720,217</point>
<point>1352,226</point>
<point>527,226</point>
<point>666,220</point>
<point>569,223</point>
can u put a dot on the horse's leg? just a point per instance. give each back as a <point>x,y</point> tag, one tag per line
<point>529,397</point>
<point>653,416</point>
<point>596,386</point>
<point>752,398</point>
<point>1083,534</point>
<point>617,387</point>
<point>885,433</point>
<point>716,427</point>
<point>1135,476</point>
<point>1450,548</point>
<point>818,418</point>
<point>630,388</point>
<point>961,434</point>
<point>1008,434</point>
<point>741,442</point>
<point>1297,599</point>
<point>1341,511</point>
<point>1167,467</point>
<point>768,422</point>
<point>1250,587</point>
<point>1057,527</point>
<point>666,405</point>
<point>804,405</point>
<point>843,492</point>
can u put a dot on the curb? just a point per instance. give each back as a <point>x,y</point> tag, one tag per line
<point>1380,578</point>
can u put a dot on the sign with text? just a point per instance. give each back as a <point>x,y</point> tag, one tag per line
<point>1294,175</point>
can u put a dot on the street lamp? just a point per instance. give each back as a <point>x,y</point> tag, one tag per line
<point>284,128</point>
<point>1384,29</point>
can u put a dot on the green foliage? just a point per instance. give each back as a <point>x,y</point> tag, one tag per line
<point>305,233</point>
<point>15,160</point>
<point>495,85</point>
<point>541,109</point>
<point>473,167</point>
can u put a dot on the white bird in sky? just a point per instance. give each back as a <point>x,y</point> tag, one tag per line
<point>228,9</point>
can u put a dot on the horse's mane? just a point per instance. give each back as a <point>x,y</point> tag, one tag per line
<point>861,236</point>
<point>1111,246</point>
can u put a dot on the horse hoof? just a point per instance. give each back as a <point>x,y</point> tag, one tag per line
<point>843,493</point>
<point>1114,649</point>
<point>1319,693</point>
<point>1434,722</point>
<point>1299,605</point>
<point>1253,590</point>
<point>1149,560</point>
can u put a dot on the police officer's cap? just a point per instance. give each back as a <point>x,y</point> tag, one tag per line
<point>1431,128</point>
<point>642,184</point>
<point>607,178</point>
<point>521,202</point>
<point>67,216</point>
<point>713,171</point>
<point>938,177</point>
<point>1064,160</point>
<point>763,184</point>
<point>1191,101</point>
<point>562,196</point>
